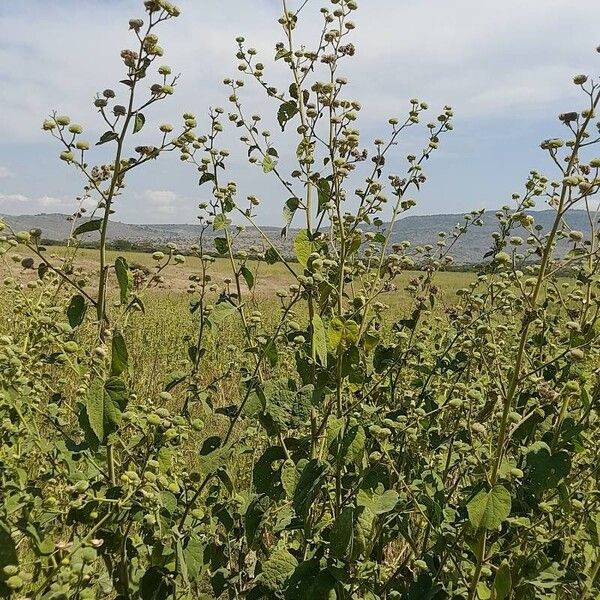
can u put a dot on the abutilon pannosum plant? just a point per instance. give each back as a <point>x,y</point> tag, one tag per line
<point>328,443</point>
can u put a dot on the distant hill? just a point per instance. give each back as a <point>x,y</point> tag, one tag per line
<point>419,230</point>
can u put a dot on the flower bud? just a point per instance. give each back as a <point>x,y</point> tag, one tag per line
<point>82,145</point>
<point>580,79</point>
<point>49,125</point>
<point>503,258</point>
<point>568,117</point>
<point>71,347</point>
<point>576,354</point>
<point>136,24</point>
<point>75,128</point>
<point>129,57</point>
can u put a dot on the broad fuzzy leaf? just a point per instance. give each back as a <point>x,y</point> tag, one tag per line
<point>140,120</point>
<point>310,484</point>
<point>76,310</point>
<point>119,356</point>
<point>124,278</point>
<point>319,339</point>
<point>490,509</point>
<point>104,406</point>
<point>88,227</point>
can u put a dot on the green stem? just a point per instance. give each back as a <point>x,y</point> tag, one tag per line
<point>515,378</point>
<point>587,588</point>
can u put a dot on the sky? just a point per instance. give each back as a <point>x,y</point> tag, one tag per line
<point>505,67</point>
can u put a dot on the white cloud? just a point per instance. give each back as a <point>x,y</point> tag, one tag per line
<point>13,198</point>
<point>21,203</point>
<point>482,59</point>
<point>159,200</point>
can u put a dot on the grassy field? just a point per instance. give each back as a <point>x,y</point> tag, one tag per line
<point>159,337</point>
<point>268,277</point>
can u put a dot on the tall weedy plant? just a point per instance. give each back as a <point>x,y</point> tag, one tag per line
<point>343,449</point>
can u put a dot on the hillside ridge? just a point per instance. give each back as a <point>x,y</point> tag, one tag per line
<point>417,229</point>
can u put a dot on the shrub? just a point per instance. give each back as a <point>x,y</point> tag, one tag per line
<point>338,449</point>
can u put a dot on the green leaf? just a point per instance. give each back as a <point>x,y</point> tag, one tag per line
<point>502,582</point>
<point>544,470</point>
<point>193,554</point>
<point>324,193</point>
<point>268,163</point>
<point>303,247</point>
<point>483,591</point>
<point>282,53</point>
<point>76,311</point>
<point>490,509</point>
<point>383,358</point>
<point>213,461</point>
<point>119,356</point>
<point>8,550</point>
<point>221,222</point>
<point>272,256</point>
<point>286,112</point>
<point>341,333</point>
<point>270,350</point>
<point>364,529</point>
<point>222,311</point>
<point>290,476</point>
<point>156,584</point>
<point>140,120</point>
<point>248,276</point>
<point>104,406</point>
<point>289,209</point>
<point>309,582</point>
<point>266,472</point>
<point>353,445</point>
<point>254,518</point>
<point>277,569</point>
<point>379,504</point>
<point>310,483</point>
<point>335,333</point>
<point>342,533</point>
<point>181,564</point>
<point>95,408</point>
<point>124,278</point>
<point>354,244</point>
<point>88,226</point>
<point>221,245</point>
<point>108,136</point>
<point>319,339</point>
<point>206,177</point>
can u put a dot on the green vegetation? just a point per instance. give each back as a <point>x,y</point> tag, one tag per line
<point>355,424</point>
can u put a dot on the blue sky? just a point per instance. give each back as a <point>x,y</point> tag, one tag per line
<point>505,67</point>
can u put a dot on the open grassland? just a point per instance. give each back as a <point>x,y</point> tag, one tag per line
<point>159,336</point>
